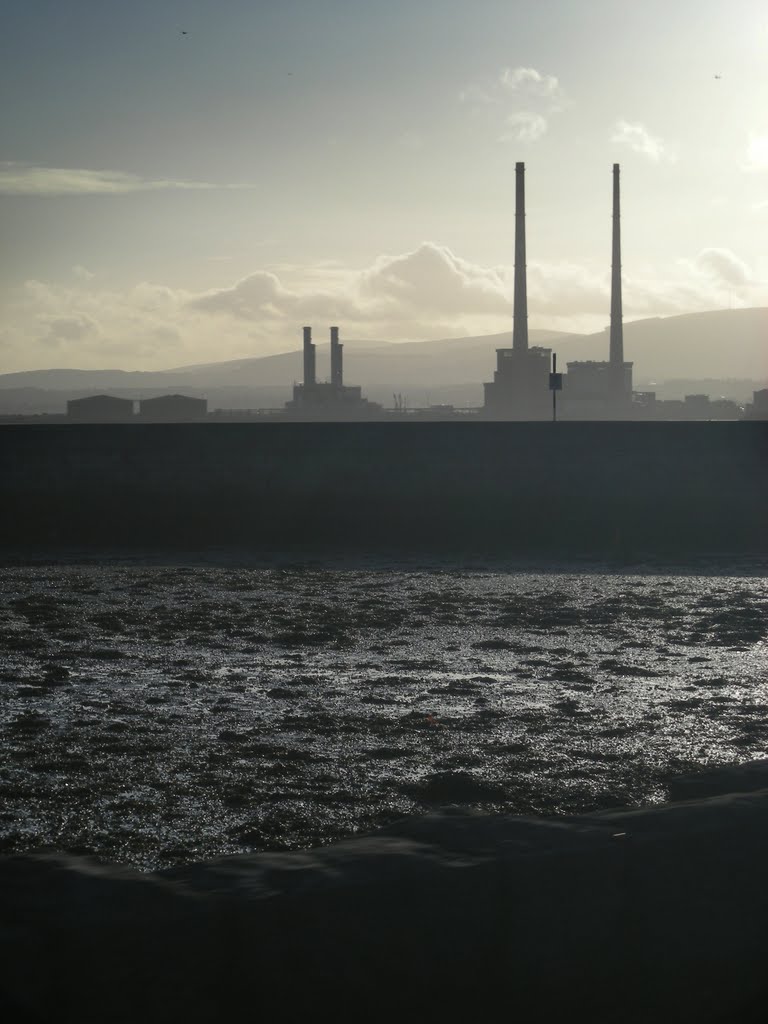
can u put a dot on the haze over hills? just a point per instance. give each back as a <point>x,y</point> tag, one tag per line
<point>400,365</point>
<point>717,346</point>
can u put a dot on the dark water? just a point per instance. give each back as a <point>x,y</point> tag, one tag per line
<point>156,715</point>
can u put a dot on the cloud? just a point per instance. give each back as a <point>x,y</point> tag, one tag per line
<point>637,137</point>
<point>434,290</point>
<point>433,280</point>
<point>261,297</point>
<point>524,97</point>
<point>430,280</point>
<point>525,126</point>
<point>90,325</point>
<point>724,266</point>
<point>62,329</point>
<point>22,180</point>
<point>427,292</point>
<point>258,294</point>
<point>155,298</point>
<point>757,154</point>
<point>529,80</point>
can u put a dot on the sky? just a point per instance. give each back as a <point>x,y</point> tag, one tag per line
<point>193,181</point>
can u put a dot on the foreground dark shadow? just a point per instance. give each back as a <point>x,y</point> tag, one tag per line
<point>647,915</point>
<point>498,489</point>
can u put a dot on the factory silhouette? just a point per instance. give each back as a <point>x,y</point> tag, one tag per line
<point>318,399</point>
<point>304,483</point>
<point>522,381</point>
<point>525,385</point>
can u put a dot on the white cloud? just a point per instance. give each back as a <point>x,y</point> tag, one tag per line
<point>428,292</point>
<point>637,137</point>
<point>433,280</point>
<point>524,97</point>
<point>22,180</point>
<point>89,325</point>
<point>757,154</point>
<point>155,298</point>
<point>261,297</point>
<point>429,281</point>
<point>475,94</point>
<point>259,294</point>
<point>433,290</point>
<point>63,329</point>
<point>529,80</point>
<point>525,126</point>
<point>725,267</point>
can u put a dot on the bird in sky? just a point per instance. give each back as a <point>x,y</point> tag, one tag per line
<point>718,76</point>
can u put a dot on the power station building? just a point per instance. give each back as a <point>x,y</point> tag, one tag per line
<point>591,379</point>
<point>758,410</point>
<point>603,390</point>
<point>591,389</point>
<point>520,386</point>
<point>330,399</point>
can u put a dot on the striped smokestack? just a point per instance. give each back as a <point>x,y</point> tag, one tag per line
<point>520,329</point>
<point>617,329</point>
<point>309,358</point>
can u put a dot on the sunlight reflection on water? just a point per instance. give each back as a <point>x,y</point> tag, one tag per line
<point>156,714</point>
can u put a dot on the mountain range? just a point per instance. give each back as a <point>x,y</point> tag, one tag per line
<point>719,346</point>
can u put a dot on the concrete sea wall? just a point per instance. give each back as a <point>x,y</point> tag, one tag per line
<point>457,489</point>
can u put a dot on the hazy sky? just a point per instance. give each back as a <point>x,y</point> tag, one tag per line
<point>170,198</point>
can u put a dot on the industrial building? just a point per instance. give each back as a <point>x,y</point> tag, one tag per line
<point>525,385</point>
<point>603,390</point>
<point>100,409</point>
<point>758,409</point>
<point>330,399</point>
<point>520,386</point>
<point>591,389</point>
<point>702,407</point>
<point>173,409</point>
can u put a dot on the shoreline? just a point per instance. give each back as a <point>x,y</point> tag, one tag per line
<point>722,564</point>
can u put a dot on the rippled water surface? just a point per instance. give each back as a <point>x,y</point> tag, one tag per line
<point>154,715</point>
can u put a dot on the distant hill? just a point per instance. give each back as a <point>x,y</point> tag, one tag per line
<point>421,364</point>
<point>720,345</point>
<point>73,380</point>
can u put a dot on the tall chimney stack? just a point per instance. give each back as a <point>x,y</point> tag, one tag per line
<point>309,358</point>
<point>617,329</point>
<point>520,329</point>
<point>337,369</point>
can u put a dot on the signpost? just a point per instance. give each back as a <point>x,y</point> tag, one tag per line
<point>555,385</point>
